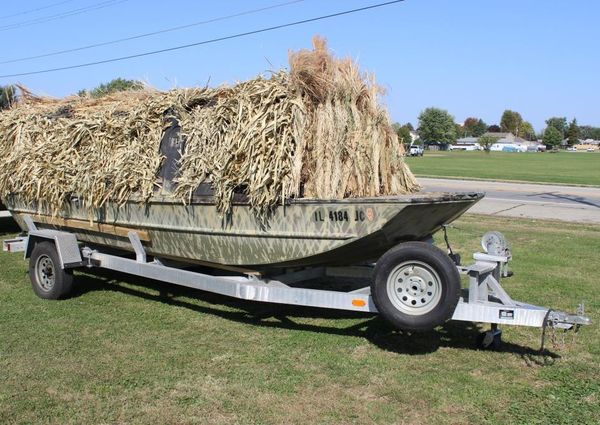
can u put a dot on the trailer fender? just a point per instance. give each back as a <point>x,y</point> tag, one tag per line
<point>65,243</point>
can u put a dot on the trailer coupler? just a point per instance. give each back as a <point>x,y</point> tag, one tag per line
<point>561,320</point>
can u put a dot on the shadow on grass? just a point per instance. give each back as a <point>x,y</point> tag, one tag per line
<point>8,227</point>
<point>372,328</point>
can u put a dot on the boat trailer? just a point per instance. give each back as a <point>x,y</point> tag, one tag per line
<point>484,301</point>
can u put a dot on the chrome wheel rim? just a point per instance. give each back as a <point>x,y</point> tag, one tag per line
<point>414,288</point>
<point>45,273</point>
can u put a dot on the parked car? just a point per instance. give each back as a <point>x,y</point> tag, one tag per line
<point>590,149</point>
<point>572,149</point>
<point>415,150</point>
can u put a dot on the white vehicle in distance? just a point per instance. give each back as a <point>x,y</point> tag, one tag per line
<point>415,150</point>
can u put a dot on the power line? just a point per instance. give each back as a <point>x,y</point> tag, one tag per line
<point>148,34</point>
<point>61,15</point>
<point>37,9</point>
<point>199,43</point>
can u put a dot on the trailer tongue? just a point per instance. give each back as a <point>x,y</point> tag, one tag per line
<point>406,286</point>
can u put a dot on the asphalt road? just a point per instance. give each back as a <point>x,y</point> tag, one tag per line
<point>566,203</point>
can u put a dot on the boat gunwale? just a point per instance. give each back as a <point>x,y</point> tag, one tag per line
<point>421,198</point>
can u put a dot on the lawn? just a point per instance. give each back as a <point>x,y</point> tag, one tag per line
<point>563,167</point>
<point>119,351</point>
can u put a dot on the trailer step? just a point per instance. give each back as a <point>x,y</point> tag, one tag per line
<point>14,245</point>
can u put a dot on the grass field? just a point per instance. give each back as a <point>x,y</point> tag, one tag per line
<point>562,167</point>
<point>120,352</point>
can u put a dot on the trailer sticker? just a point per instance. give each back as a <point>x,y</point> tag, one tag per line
<point>506,314</point>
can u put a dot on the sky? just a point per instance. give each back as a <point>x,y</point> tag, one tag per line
<point>472,58</point>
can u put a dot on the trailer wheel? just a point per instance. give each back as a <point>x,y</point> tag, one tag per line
<point>48,279</point>
<point>416,286</point>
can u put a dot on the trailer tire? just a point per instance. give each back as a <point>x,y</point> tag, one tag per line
<point>48,279</point>
<point>416,286</point>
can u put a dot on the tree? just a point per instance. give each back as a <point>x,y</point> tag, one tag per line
<point>552,137</point>
<point>480,128</point>
<point>403,132</point>
<point>404,135</point>
<point>468,124</point>
<point>526,130</point>
<point>494,128</point>
<point>474,127</point>
<point>486,141</point>
<point>436,125</point>
<point>559,123</point>
<point>585,131</point>
<point>115,85</point>
<point>510,122</point>
<point>573,133</point>
<point>7,96</point>
<point>589,132</point>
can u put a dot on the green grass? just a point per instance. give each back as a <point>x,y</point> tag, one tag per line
<point>120,352</point>
<point>563,167</point>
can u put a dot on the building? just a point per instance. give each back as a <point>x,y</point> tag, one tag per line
<point>466,144</point>
<point>588,145</point>
<point>508,142</point>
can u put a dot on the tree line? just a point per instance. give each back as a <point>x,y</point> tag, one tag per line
<point>437,126</point>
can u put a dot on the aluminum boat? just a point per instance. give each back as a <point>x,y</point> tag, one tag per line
<point>302,232</point>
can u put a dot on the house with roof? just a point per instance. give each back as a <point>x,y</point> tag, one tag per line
<point>466,144</point>
<point>588,145</point>
<point>508,142</point>
<point>505,142</point>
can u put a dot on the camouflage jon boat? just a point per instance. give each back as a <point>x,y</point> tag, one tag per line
<point>303,232</point>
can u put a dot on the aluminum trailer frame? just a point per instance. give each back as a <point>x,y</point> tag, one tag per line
<point>485,300</point>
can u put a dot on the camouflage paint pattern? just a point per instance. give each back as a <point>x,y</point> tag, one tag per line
<point>302,232</point>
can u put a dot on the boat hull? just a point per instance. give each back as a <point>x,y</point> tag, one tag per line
<point>301,233</point>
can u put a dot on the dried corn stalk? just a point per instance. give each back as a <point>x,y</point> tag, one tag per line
<point>315,131</point>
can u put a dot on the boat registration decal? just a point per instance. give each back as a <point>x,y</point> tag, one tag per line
<point>344,215</point>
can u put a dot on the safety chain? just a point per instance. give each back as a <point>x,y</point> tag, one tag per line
<point>557,340</point>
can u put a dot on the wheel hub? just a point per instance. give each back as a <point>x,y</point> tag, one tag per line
<point>414,287</point>
<point>45,272</point>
